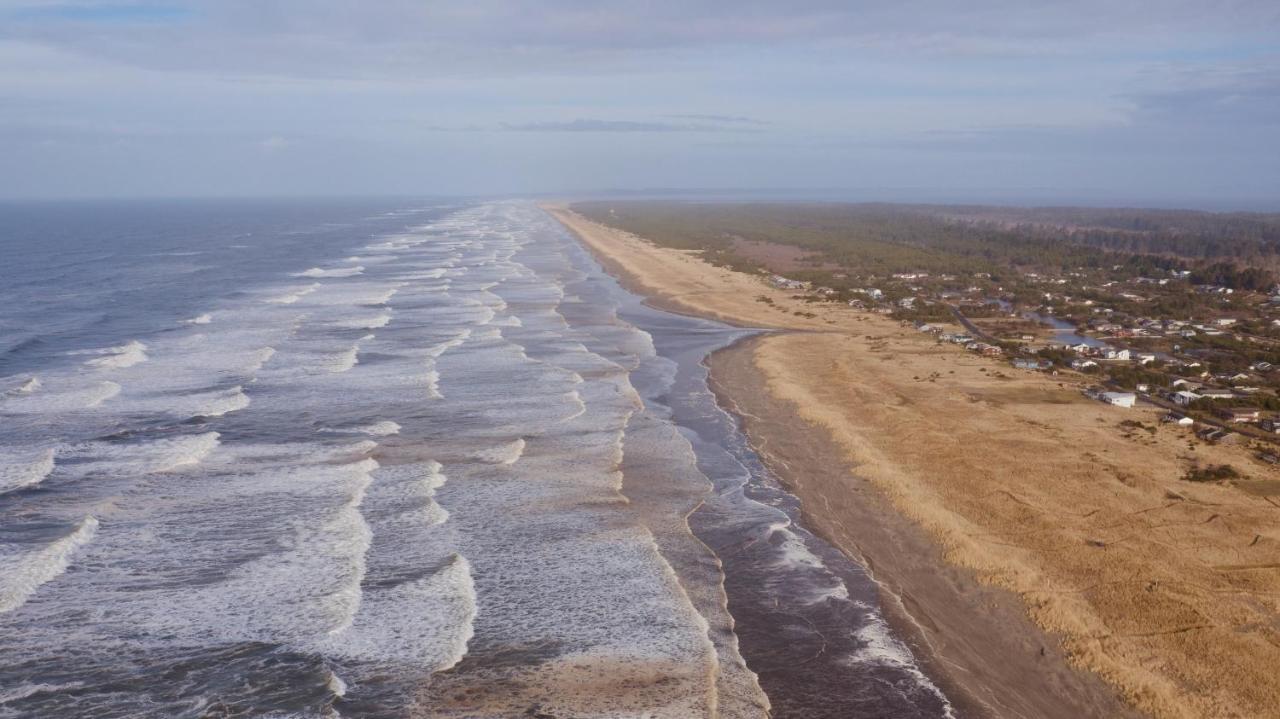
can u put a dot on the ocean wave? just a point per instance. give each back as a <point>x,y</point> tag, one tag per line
<point>104,391</point>
<point>26,690</point>
<point>119,357</point>
<point>377,429</point>
<point>22,470</point>
<point>213,404</point>
<point>374,322</point>
<point>436,350</point>
<point>431,378</point>
<point>346,359</point>
<point>292,297</point>
<point>22,573</point>
<point>506,454</point>
<point>166,455</point>
<point>426,623</point>
<point>27,386</point>
<point>203,319</point>
<point>335,272</point>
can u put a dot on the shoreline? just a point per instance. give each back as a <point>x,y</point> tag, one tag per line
<point>976,641</point>
<point>990,627</point>
<point>1041,554</point>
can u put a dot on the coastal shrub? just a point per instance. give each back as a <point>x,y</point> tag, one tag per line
<point>1211,473</point>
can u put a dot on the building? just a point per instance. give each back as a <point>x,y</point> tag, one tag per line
<point>1240,414</point>
<point>1181,420</point>
<point>1115,354</point>
<point>1080,365</point>
<point>1184,398</point>
<point>1119,399</point>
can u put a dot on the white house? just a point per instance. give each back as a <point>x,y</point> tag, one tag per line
<point>1185,398</point>
<point>1146,358</point>
<point>1114,354</point>
<point>1120,399</point>
<point>1082,364</point>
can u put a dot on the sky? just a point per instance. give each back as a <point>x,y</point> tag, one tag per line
<point>1162,102</point>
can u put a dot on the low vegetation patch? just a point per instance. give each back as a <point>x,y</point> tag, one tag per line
<point>1211,473</point>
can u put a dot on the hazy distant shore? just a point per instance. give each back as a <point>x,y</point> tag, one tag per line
<point>987,503</point>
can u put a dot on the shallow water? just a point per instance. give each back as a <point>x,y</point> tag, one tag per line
<point>390,460</point>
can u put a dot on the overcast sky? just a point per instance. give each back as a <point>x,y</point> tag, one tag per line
<point>1110,101</point>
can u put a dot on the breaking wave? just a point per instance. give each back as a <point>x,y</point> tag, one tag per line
<point>19,471</point>
<point>126,355</point>
<point>22,573</point>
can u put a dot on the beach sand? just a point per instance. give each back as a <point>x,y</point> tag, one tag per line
<point>1044,560</point>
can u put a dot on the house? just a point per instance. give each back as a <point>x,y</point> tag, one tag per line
<point>1031,364</point>
<point>1184,398</point>
<point>1216,393</point>
<point>1146,358</point>
<point>1239,414</point>
<point>1115,354</point>
<point>1119,399</point>
<point>1225,321</point>
<point>1271,424</point>
<point>1181,420</point>
<point>1082,364</point>
<point>1218,436</point>
<point>1080,348</point>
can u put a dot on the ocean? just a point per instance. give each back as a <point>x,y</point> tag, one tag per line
<point>388,459</point>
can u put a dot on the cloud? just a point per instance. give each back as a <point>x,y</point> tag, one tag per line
<point>723,119</point>
<point>588,125</point>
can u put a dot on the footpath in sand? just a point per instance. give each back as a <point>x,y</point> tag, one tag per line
<point>1024,499</point>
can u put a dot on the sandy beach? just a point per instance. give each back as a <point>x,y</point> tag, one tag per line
<point>1043,559</point>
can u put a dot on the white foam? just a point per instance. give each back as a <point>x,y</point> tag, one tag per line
<point>166,455</point>
<point>213,404</point>
<point>335,272</point>
<point>260,358</point>
<point>439,349</point>
<point>292,297</point>
<point>431,378</point>
<point>22,573</point>
<point>203,319</point>
<point>377,429</point>
<point>101,393</point>
<point>25,690</point>
<point>795,553</point>
<point>426,623</point>
<point>335,684</point>
<point>119,357</point>
<point>19,470</point>
<point>506,454</point>
<point>373,322</point>
<point>384,297</point>
<point>30,386</point>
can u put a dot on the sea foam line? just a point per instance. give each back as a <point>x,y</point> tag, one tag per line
<point>21,574</point>
<point>119,357</point>
<point>19,473</point>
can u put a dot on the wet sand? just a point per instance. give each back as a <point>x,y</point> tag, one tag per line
<point>1043,559</point>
